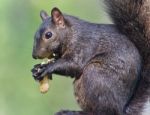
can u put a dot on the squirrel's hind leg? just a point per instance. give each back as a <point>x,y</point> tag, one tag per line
<point>66,112</point>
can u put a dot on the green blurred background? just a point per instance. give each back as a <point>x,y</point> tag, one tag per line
<point>19,93</point>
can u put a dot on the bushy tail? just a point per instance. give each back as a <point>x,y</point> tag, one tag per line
<point>132,17</point>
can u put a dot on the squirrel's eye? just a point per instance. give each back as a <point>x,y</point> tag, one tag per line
<point>48,35</point>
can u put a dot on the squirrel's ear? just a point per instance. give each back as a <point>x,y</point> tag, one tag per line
<point>43,15</point>
<point>57,17</point>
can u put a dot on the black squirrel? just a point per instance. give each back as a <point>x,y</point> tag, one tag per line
<point>109,62</point>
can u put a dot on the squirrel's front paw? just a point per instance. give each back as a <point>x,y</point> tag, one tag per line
<point>37,70</point>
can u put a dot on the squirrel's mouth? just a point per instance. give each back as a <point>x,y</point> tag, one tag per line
<point>50,58</point>
<point>53,56</point>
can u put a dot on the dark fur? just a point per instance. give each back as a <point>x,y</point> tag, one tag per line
<point>106,65</point>
<point>132,17</point>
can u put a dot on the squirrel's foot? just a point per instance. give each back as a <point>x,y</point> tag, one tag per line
<point>66,112</point>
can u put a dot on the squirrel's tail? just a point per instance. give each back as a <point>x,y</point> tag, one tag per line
<point>132,17</point>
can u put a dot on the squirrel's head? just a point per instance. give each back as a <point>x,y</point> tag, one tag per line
<point>51,35</point>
